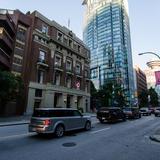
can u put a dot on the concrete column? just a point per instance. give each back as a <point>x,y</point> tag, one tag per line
<point>49,99</point>
<point>30,103</point>
<point>83,103</point>
<point>74,102</point>
<point>87,104</point>
<point>62,101</point>
<point>65,100</point>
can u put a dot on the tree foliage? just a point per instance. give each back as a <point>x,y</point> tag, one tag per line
<point>93,96</point>
<point>10,88</point>
<point>105,94</point>
<point>143,99</point>
<point>119,96</point>
<point>153,97</point>
<point>110,94</point>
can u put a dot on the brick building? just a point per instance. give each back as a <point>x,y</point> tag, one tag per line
<point>140,81</point>
<point>52,61</point>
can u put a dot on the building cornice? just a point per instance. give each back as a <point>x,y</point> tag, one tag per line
<point>63,29</point>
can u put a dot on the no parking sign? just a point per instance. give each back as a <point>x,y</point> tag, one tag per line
<point>78,84</point>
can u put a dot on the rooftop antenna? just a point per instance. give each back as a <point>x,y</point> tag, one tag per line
<point>69,23</point>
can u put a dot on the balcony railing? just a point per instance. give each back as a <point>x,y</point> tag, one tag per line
<point>42,63</point>
<point>58,66</point>
<point>6,38</point>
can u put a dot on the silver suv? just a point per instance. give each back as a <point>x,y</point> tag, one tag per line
<point>57,121</point>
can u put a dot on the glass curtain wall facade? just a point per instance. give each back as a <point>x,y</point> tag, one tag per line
<point>107,34</point>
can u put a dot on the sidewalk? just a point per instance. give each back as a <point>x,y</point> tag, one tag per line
<point>90,114</point>
<point>156,136</point>
<point>20,120</point>
<point>10,121</point>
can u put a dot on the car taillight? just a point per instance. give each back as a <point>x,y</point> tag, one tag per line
<point>47,122</point>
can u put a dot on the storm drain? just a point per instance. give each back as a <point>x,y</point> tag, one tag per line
<point>70,144</point>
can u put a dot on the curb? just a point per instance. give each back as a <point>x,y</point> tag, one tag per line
<point>154,138</point>
<point>13,124</point>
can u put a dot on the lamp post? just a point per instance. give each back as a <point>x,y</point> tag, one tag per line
<point>150,53</point>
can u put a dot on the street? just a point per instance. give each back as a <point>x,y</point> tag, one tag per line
<point>119,141</point>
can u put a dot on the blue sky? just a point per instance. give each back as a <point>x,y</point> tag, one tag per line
<point>144,21</point>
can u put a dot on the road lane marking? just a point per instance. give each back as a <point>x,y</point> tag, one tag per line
<point>100,130</point>
<point>15,136</point>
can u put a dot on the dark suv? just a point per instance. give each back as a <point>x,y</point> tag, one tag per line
<point>157,112</point>
<point>110,114</point>
<point>132,112</point>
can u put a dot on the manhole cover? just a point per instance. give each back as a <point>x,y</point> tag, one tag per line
<point>71,144</point>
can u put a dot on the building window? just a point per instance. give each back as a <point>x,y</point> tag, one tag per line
<point>37,104</point>
<point>40,76</point>
<point>94,73</point>
<point>79,48</point>
<point>1,30</point>
<point>60,37</point>
<point>75,46</point>
<point>57,79</point>
<point>38,93</point>
<point>68,81</point>
<point>70,43</point>
<point>42,56</point>
<point>45,29</point>
<point>17,60</point>
<point>86,87</point>
<point>65,40</point>
<point>69,65</point>
<point>78,68</point>
<point>21,35</point>
<point>17,68</point>
<point>86,74</point>
<point>58,60</point>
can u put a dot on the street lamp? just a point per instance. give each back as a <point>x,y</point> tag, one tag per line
<point>150,53</point>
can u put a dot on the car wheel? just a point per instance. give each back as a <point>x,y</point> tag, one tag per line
<point>156,115</point>
<point>41,134</point>
<point>59,131</point>
<point>124,119</point>
<point>87,126</point>
<point>101,120</point>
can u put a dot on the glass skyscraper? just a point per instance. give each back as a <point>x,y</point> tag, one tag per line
<point>107,34</point>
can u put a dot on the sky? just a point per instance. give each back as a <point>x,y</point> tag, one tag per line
<point>144,21</point>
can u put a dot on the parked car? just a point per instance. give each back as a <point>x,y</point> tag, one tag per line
<point>58,121</point>
<point>157,112</point>
<point>152,110</point>
<point>145,111</point>
<point>132,112</point>
<point>110,114</point>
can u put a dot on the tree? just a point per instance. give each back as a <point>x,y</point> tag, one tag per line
<point>10,86</point>
<point>143,99</point>
<point>105,94</point>
<point>93,96</point>
<point>153,97</point>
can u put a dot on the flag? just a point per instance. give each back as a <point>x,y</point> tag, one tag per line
<point>157,75</point>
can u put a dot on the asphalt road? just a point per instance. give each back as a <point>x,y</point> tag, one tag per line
<point>119,141</point>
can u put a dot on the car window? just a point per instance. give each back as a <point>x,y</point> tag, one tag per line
<point>51,113</point>
<point>127,109</point>
<point>44,113</point>
<point>76,113</point>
